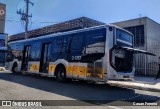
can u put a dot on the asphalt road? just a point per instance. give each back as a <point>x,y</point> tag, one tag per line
<point>29,87</point>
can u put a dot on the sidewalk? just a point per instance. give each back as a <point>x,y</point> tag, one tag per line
<point>142,83</point>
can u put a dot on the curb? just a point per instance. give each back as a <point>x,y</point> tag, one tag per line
<point>135,85</point>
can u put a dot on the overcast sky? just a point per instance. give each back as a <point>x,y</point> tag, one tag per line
<point>47,12</point>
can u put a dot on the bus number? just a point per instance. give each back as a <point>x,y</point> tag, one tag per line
<point>77,58</point>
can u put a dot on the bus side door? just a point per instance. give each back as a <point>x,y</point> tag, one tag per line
<point>25,59</point>
<point>45,57</point>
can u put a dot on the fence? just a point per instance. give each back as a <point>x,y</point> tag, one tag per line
<point>147,65</point>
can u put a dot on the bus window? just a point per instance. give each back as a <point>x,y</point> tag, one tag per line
<point>94,48</point>
<point>57,51</point>
<point>77,47</point>
<point>35,51</point>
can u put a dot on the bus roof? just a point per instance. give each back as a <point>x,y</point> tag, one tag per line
<point>68,32</point>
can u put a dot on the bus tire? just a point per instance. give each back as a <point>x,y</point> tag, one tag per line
<point>61,73</point>
<point>15,68</point>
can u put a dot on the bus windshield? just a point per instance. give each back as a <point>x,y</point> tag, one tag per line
<point>124,38</point>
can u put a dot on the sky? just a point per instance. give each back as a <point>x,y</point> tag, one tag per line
<point>48,12</point>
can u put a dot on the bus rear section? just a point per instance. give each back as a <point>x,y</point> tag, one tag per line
<point>121,55</point>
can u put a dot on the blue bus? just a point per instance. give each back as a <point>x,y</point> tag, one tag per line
<point>97,53</point>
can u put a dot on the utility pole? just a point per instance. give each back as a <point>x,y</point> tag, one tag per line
<point>25,15</point>
<point>27,11</point>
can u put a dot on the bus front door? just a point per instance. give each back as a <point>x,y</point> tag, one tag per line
<point>26,54</point>
<point>44,63</point>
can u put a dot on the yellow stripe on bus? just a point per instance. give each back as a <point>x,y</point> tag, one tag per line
<point>52,68</point>
<point>82,71</point>
<point>76,71</point>
<point>34,67</point>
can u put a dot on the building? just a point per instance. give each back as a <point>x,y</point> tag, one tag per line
<point>79,23</point>
<point>147,37</point>
<point>3,37</point>
<point>2,17</point>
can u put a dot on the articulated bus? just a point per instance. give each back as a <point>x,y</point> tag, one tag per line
<point>98,53</point>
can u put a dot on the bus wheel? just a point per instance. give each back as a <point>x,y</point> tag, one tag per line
<point>61,73</point>
<point>15,68</point>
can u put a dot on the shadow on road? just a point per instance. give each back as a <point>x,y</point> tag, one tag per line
<point>82,91</point>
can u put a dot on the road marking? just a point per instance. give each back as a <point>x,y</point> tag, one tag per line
<point>131,98</point>
<point>114,107</point>
<point>135,97</point>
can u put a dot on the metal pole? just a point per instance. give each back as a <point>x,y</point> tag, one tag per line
<point>27,10</point>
